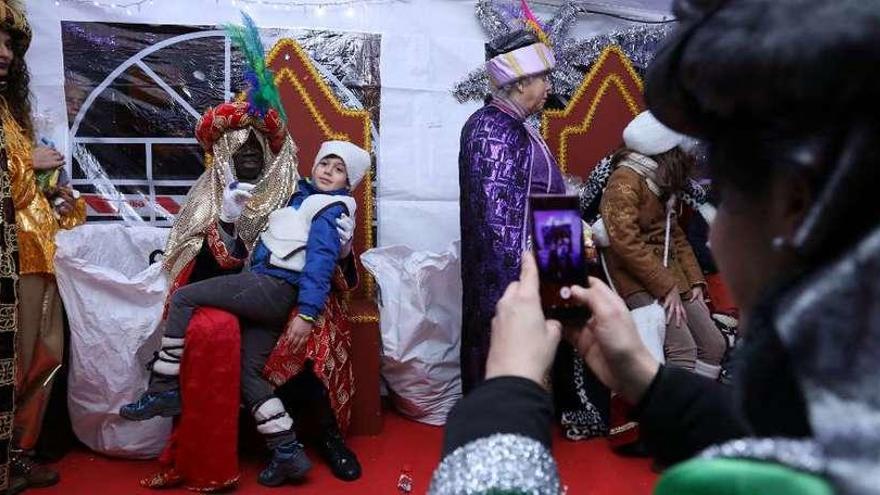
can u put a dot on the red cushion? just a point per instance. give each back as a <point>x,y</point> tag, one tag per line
<point>207,432</point>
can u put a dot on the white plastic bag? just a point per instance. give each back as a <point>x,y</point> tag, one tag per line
<point>114,300</point>
<point>651,319</point>
<point>421,328</point>
<point>651,322</point>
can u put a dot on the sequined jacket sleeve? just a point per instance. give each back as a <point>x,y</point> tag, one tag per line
<point>498,438</point>
<point>33,214</point>
<point>620,211</point>
<point>76,217</point>
<point>493,180</point>
<point>21,176</point>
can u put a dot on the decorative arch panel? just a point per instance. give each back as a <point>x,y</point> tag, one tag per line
<point>590,127</point>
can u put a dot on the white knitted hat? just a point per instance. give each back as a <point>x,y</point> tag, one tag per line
<point>357,160</point>
<point>646,135</point>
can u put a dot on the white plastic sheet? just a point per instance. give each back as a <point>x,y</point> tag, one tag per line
<point>427,46</point>
<point>651,324</point>
<point>421,328</point>
<point>114,301</point>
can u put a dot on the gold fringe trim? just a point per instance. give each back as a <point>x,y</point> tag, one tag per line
<point>614,80</point>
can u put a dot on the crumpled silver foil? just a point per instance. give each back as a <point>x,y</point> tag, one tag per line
<point>574,58</point>
<point>492,19</point>
<point>352,59</point>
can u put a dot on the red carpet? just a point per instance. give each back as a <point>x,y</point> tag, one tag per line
<point>587,468</point>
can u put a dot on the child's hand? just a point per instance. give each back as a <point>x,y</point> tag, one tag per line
<point>345,228</point>
<point>62,198</point>
<point>67,203</point>
<point>297,334</point>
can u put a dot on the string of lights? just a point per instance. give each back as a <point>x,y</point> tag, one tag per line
<point>319,6</point>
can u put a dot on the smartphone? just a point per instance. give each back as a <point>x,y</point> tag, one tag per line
<point>558,245</point>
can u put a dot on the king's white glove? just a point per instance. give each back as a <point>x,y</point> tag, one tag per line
<point>345,227</point>
<point>235,196</point>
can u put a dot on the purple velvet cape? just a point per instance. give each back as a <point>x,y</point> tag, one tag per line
<point>498,160</point>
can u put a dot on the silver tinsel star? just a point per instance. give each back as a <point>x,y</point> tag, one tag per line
<point>573,57</point>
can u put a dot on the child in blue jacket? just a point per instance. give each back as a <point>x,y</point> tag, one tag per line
<point>290,268</point>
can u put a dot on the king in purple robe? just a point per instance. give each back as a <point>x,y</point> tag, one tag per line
<point>502,160</point>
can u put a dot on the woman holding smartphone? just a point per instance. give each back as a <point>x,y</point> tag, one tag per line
<point>793,150</point>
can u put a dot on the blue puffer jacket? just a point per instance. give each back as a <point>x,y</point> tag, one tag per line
<point>322,252</point>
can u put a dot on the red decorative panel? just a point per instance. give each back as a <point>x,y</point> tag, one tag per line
<point>592,124</point>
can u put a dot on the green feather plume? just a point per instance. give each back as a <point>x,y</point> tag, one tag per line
<point>262,93</point>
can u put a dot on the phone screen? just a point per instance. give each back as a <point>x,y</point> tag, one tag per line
<point>558,244</point>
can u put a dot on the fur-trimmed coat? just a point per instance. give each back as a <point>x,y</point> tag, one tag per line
<point>635,219</point>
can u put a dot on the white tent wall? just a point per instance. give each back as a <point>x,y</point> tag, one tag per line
<point>427,46</point>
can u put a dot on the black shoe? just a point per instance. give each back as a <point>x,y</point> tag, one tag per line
<point>34,475</point>
<point>658,467</point>
<point>636,449</point>
<point>152,404</point>
<point>338,456</point>
<point>289,463</point>
<point>17,484</point>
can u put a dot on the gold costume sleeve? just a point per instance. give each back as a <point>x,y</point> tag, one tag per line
<point>76,217</point>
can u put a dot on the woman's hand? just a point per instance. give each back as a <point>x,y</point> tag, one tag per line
<point>45,158</point>
<point>674,308</point>
<point>610,342</point>
<point>67,201</point>
<point>297,334</point>
<point>523,342</point>
<point>62,198</point>
<point>697,295</point>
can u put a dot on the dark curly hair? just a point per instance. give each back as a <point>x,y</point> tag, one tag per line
<point>16,87</point>
<point>675,168</point>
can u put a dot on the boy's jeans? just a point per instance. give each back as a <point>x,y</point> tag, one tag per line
<point>262,304</point>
